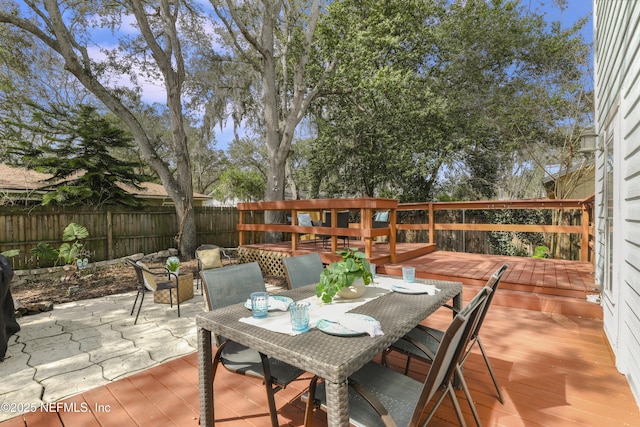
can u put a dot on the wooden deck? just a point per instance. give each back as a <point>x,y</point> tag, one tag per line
<point>554,370</point>
<point>548,285</point>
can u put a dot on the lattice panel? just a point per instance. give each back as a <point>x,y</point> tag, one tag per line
<point>270,262</point>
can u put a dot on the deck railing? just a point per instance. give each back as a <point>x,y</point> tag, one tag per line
<point>365,230</point>
<point>367,206</point>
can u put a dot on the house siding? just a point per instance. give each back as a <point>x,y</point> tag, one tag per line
<point>617,91</point>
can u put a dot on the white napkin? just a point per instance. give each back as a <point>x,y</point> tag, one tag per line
<point>361,325</point>
<point>418,288</point>
<point>274,304</point>
<point>277,304</point>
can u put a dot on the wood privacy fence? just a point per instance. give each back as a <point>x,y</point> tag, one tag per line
<point>113,233</point>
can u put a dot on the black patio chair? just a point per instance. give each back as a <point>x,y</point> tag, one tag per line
<point>147,280</point>
<point>232,285</point>
<point>422,342</point>
<point>343,222</point>
<point>380,396</point>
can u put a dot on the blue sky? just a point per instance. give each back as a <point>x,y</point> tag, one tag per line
<point>575,10</point>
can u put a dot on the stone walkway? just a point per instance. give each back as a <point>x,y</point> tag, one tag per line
<point>86,344</point>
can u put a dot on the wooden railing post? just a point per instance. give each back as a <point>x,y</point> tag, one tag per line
<point>366,223</point>
<point>294,235</point>
<point>334,224</point>
<point>432,224</point>
<point>392,235</point>
<point>584,241</point>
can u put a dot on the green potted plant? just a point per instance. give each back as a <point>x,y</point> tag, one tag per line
<point>345,274</point>
<point>173,265</point>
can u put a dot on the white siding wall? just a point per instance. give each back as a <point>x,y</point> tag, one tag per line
<point>617,78</point>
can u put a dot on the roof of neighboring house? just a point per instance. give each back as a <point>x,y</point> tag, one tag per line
<point>22,180</point>
<point>557,171</point>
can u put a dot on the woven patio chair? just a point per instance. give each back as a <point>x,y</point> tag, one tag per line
<point>148,280</point>
<point>422,338</point>
<point>232,285</point>
<point>380,396</point>
<point>303,269</point>
<point>209,256</point>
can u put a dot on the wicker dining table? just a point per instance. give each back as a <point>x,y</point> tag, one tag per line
<point>332,358</point>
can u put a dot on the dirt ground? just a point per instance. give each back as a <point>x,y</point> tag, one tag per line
<point>91,283</point>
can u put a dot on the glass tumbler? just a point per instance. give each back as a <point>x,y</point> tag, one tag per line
<point>372,268</point>
<point>299,312</point>
<point>259,305</point>
<point>409,274</point>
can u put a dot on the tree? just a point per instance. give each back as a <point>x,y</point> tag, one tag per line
<point>384,129</point>
<point>76,152</point>
<point>155,50</point>
<point>428,88</point>
<point>276,39</point>
<point>515,83</point>
<point>240,184</point>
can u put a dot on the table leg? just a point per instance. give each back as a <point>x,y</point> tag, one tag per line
<point>337,404</point>
<point>205,373</point>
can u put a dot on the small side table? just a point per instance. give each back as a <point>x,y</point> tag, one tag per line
<point>185,285</point>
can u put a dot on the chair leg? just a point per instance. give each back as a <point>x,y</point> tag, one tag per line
<point>448,390</point>
<point>472,405</point>
<point>268,383</point>
<point>456,405</point>
<point>214,368</point>
<point>178,297</point>
<point>493,377</point>
<point>139,307</point>
<point>134,303</point>
<point>406,367</point>
<point>311,405</point>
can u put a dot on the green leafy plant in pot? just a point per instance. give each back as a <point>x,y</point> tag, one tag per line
<point>341,274</point>
<point>173,265</point>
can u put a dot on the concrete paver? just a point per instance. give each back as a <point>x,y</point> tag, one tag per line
<point>85,344</point>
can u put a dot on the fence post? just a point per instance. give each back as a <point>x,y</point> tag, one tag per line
<point>110,253</point>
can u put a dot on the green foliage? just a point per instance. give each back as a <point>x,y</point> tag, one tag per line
<point>383,125</point>
<point>427,88</point>
<point>541,252</point>
<point>243,184</point>
<point>76,151</point>
<point>173,263</point>
<point>45,251</point>
<point>341,274</point>
<point>69,250</point>
<point>516,243</point>
<point>10,253</point>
